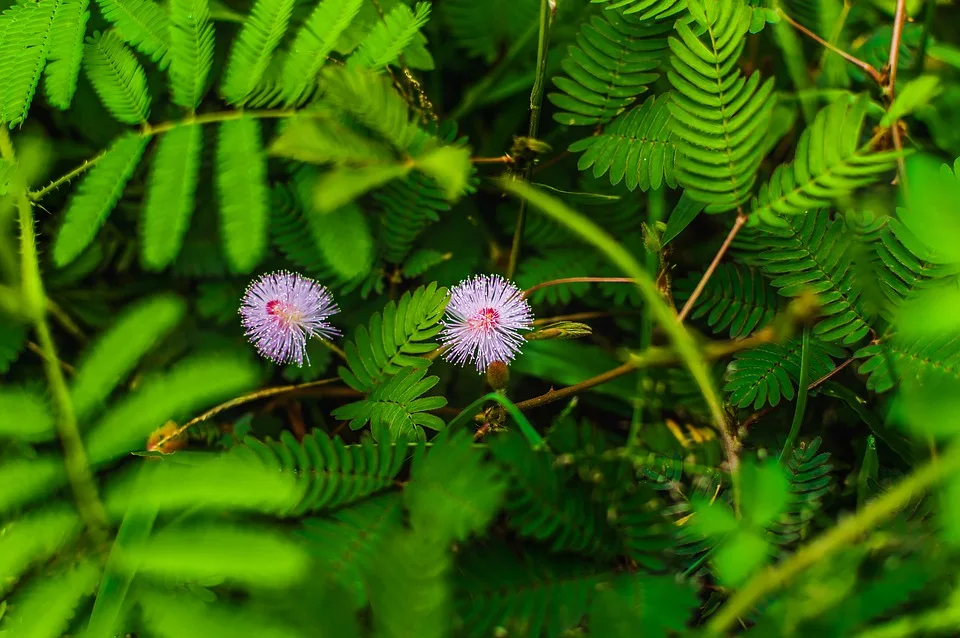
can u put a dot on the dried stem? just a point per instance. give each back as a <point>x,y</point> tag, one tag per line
<point>899,18</point>
<point>503,159</point>
<point>577,280</point>
<point>580,316</point>
<point>868,68</point>
<point>687,307</point>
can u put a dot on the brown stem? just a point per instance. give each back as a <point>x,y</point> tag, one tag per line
<point>899,18</point>
<point>687,307</point>
<point>577,280</point>
<point>579,316</point>
<point>34,348</point>
<point>503,159</point>
<point>556,395</point>
<point>868,68</point>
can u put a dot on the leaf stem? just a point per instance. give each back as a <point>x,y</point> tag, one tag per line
<point>577,280</point>
<point>547,10</point>
<point>802,390</point>
<point>846,532</point>
<point>687,307</point>
<point>75,457</point>
<point>899,17</point>
<point>868,68</point>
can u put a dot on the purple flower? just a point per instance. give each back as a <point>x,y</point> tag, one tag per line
<point>281,310</point>
<point>484,317</point>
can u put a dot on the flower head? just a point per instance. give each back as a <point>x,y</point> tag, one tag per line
<point>484,319</point>
<point>281,310</point>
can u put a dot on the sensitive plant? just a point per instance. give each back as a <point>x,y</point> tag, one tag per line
<point>704,252</point>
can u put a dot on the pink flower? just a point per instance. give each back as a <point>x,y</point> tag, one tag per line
<point>483,322</point>
<point>281,310</point>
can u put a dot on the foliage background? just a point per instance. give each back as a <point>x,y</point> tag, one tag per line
<point>772,453</point>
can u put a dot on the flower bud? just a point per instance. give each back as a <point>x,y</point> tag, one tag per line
<point>498,375</point>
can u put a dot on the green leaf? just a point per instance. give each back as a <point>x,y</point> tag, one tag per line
<point>96,196</point>
<point>25,416</point>
<point>683,213</point>
<point>713,519</point>
<point>117,77</point>
<point>659,604</point>
<point>450,166</point>
<point>46,607</point>
<point>322,140</point>
<point>395,338</point>
<point>191,51</point>
<point>396,409</point>
<point>23,481</point>
<point>66,52</point>
<point>190,385</point>
<point>315,41</point>
<point>933,209</point>
<point>735,297</point>
<point>916,93</point>
<point>169,615</point>
<point>736,559</point>
<point>388,38</point>
<point>344,239</point>
<point>246,555</point>
<point>13,338</point>
<point>453,493</point>
<point>769,373</point>
<point>486,30</point>
<point>763,491</point>
<point>242,185</point>
<point>810,480</point>
<point>35,537</point>
<point>25,38</point>
<point>141,23</point>
<point>116,353</point>
<point>252,49</point>
<point>422,261</point>
<point>340,187</point>
<point>170,196</point>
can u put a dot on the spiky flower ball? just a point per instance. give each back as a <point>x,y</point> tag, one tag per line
<point>483,321</point>
<point>281,310</point>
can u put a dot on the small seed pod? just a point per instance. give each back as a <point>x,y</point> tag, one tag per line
<point>498,375</point>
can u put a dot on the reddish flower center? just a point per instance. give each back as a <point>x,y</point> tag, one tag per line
<point>282,311</point>
<point>485,320</point>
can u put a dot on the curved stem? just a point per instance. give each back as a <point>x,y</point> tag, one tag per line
<point>802,390</point>
<point>687,307</point>
<point>844,533</point>
<point>868,68</point>
<point>577,280</point>
<point>75,457</point>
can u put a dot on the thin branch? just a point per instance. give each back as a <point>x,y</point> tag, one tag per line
<point>60,181</point>
<point>844,534</point>
<point>556,395</point>
<point>899,18</point>
<point>687,307</point>
<point>37,350</point>
<point>334,349</point>
<point>577,280</point>
<point>580,316</point>
<point>868,68</point>
<point>246,398</point>
<point>503,159</point>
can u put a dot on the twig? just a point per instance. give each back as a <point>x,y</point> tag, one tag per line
<point>77,466</point>
<point>577,280</point>
<point>503,159</point>
<point>899,18</point>
<point>687,307</point>
<point>334,349</point>
<point>845,533</point>
<point>580,316</point>
<point>868,68</point>
<point>547,10</point>
<point>37,350</point>
<point>246,398</point>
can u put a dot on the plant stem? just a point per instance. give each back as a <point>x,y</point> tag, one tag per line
<point>556,395</point>
<point>334,349</point>
<point>580,316</point>
<point>687,307</point>
<point>75,457</point>
<point>899,18</point>
<point>846,532</point>
<point>868,68</point>
<point>60,181</point>
<point>802,391</point>
<point>536,99</point>
<point>577,280</point>
<point>933,622</point>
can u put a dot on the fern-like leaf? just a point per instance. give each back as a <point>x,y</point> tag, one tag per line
<point>22,481</point>
<point>830,164</point>
<point>117,77</point>
<point>170,195</point>
<point>390,36</point>
<point>13,338</point>
<point>45,608</point>
<point>395,338</point>
<point>343,237</point>
<point>191,51</point>
<point>324,140</point>
<point>241,183</point>
<point>736,297</point>
<point>96,196</point>
<point>615,60</point>
<point>720,119</point>
<point>396,409</point>
<point>116,353</point>
<point>35,537</point>
<point>886,364</point>
<point>291,236</point>
<point>141,23</point>
<point>25,39</point>
<point>765,374</point>
<point>637,146</point>
<point>25,415</point>
<point>483,28</point>
<point>66,52</point>
<point>810,253</point>
<point>168,615</point>
<point>315,40</point>
<point>810,480</point>
<point>645,9</point>
<point>329,474</point>
<point>253,48</point>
